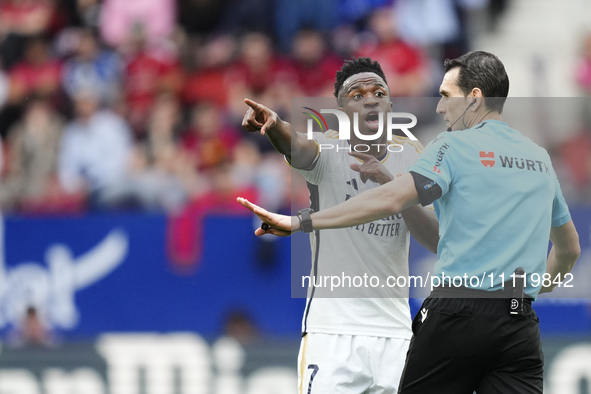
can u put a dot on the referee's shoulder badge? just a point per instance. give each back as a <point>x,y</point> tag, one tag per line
<point>424,312</point>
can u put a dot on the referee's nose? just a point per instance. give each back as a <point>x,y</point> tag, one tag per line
<point>441,107</point>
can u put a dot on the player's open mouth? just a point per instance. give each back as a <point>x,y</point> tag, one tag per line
<point>372,119</point>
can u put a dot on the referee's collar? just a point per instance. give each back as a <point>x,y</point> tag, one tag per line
<point>481,124</point>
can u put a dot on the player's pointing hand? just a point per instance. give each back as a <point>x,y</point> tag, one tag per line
<point>371,169</point>
<point>279,225</point>
<point>258,117</point>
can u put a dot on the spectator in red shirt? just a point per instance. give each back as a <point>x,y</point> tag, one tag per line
<point>208,82</point>
<point>208,140</point>
<point>402,64</point>
<point>37,74</point>
<point>575,153</point>
<point>314,64</point>
<point>262,74</point>
<point>148,72</point>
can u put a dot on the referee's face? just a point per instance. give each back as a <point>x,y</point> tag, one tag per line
<point>453,102</point>
<point>367,94</point>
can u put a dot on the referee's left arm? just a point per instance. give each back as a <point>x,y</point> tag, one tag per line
<point>564,253</point>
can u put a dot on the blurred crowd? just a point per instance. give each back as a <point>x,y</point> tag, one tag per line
<point>575,152</point>
<point>137,104</point>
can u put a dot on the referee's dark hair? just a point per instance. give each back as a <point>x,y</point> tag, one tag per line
<point>483,70</point>
<point>356,66</point>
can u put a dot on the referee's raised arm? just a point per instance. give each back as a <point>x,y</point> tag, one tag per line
<point>300,151</point>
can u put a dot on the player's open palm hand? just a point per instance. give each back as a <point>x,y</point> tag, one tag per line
<point>279,225</point>
<point>371,169</point>
<point>258,117</point>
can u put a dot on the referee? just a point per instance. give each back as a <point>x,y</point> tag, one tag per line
<point>498,201</point>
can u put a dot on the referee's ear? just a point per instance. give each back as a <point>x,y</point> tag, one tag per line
<point>477,92</point>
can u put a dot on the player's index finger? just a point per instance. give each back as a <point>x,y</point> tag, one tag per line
<point>361,156</point>
<point>252,104</point>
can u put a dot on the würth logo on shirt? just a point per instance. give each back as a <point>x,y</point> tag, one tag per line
<point>487,159</point>
<point>439,158</point>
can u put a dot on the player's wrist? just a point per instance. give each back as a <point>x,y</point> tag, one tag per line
<point>278,126</point>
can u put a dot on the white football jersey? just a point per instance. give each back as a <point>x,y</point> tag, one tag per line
<point>379,249</point>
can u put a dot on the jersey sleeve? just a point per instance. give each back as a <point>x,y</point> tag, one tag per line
<point>322,162</point>
<point>412,152</point>
<point>560,213</point>
<point>437,162</point>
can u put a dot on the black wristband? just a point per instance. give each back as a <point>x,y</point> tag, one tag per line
<point>306,220</point>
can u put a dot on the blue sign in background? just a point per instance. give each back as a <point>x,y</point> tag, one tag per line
<point>147,292</point>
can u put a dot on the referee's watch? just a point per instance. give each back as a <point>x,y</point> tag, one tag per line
<point>306,220</point>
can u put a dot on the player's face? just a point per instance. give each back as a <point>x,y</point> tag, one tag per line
<point>453,102</point>
<point>367,94</point>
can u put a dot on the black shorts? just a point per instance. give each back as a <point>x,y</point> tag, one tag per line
<point>462,345</point>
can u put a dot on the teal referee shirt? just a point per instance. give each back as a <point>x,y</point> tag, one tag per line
<point>500,196</point>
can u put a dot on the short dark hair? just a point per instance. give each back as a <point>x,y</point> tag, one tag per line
<point>483,70</point>
<point>357,66</point>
